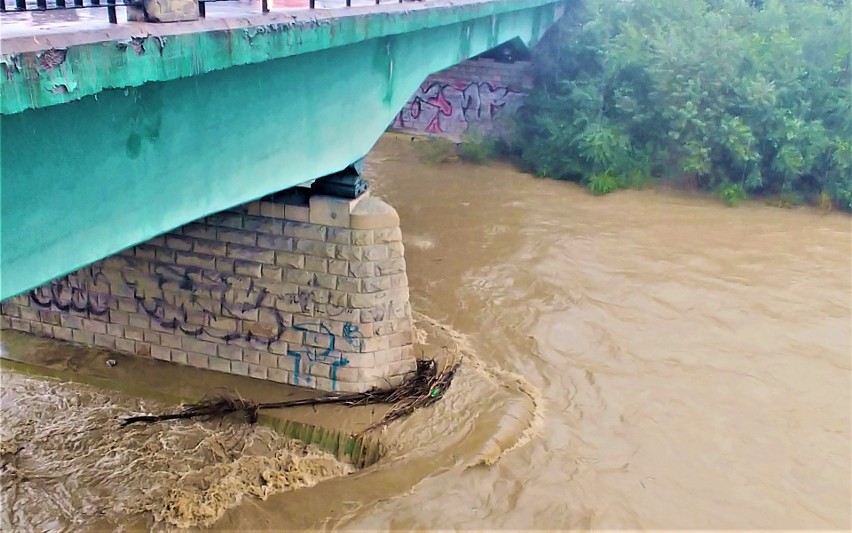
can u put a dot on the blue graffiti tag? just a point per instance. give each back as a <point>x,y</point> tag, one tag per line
<point>323,354</point>
<point>353,335</point>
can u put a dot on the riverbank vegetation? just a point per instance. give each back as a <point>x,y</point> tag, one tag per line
<point>740,97</point>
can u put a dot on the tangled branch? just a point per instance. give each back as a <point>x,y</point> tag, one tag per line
<point>424,387</point>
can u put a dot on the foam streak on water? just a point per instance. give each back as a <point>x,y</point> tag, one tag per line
<point>67,465</point>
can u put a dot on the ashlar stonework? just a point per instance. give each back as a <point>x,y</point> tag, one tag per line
<point>298,289</point>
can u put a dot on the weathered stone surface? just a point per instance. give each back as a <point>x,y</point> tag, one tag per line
<point>312,301</point>
<point>330,210</point>
<point>372,213</point>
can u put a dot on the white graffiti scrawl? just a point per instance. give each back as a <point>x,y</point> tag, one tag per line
<point>451,108</point>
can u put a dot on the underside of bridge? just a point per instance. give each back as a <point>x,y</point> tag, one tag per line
<point>149,188</point>
<point>110,143</point>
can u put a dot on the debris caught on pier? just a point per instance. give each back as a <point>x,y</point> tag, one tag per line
<point>423,387</point>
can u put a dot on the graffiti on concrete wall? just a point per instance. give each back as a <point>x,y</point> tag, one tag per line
<point>441,108</point>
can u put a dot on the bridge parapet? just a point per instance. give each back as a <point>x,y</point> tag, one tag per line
<point>299,289</point>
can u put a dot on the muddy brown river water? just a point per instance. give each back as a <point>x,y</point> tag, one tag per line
<point>648,359</point>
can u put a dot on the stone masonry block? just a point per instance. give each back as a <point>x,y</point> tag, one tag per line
<point>194,259</point>
<point>362,269</point>
<point>192,345</point>
<point>258,371</point>
<point>376,252</point>
<point>278,375</point>
<point>65,334</point>
<point>214,248</point>
<point>330,210</point>
<point>390,266</point>
<point>326,281</point>
<point>253,208</point>
<point>228,351</point>
<point>301,230</point>
<point>235,236</point>
<point>198,360</point>
<point>287,259</point>
<point>84,337</point>
<point>220,365</point>
<point>264,225</point>
<point>239,368</point>
<point>338,267</point>
<point>148,252</point>
<point>199,231</point>
<point>250,253</point>
<point>179,356</point>
<point>272,272</point>
<point>174,242</point>
<point>339,235</point>
<point>41,329</point>
<point>348,253</point>
<point>363,301</point>
<point>272,209</point>
<point>362,237</point>
<point>371,285</point>
<point>225,219</point>
<point>372,213</point>
<point>275,242</point>
<point>248,268</point>
<point>297,213</point>
<point>316,264</point>
<point>161,352</point>
<point>314,248</point>
<point>251,357</point>
<point>347,284</point>
<point>396,249</point>
<point>387,235</point>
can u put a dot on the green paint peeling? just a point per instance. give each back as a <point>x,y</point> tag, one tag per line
<point>234,115</point>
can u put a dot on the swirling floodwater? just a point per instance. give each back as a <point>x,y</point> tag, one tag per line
<point>645,360</point>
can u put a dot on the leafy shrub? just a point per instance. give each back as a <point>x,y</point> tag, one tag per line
<point>603,184</point>
<point>732,194</point>
<point>435,151</point>
<point>477,148</point>
<point>709,92</point>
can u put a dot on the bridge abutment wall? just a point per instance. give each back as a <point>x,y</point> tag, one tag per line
<point>473,96</point>
<point>309,290</point>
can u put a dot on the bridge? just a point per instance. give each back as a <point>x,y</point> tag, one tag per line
<point>116,134</point>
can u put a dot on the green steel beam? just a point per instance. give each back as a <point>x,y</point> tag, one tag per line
<point>168,132</point>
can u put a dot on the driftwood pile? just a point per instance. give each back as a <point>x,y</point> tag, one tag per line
<point>424,387</point>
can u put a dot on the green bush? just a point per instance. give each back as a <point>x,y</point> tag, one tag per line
<point>477,148</point>
<point>603,184</point>
<point>435,151</point>
<point>718,93</point>
<point>732,194</point>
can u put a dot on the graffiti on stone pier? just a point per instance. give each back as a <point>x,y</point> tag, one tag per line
<point>440,107</point>
<point>209,306</point>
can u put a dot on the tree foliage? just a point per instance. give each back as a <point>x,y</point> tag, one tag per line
<point>736,95</point>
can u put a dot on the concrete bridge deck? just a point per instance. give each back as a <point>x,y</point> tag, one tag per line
<point>40,24</point>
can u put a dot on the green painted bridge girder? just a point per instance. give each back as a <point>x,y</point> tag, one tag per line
<point>160,130</point>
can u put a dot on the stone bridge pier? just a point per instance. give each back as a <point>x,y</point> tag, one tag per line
<point>298,288</point>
